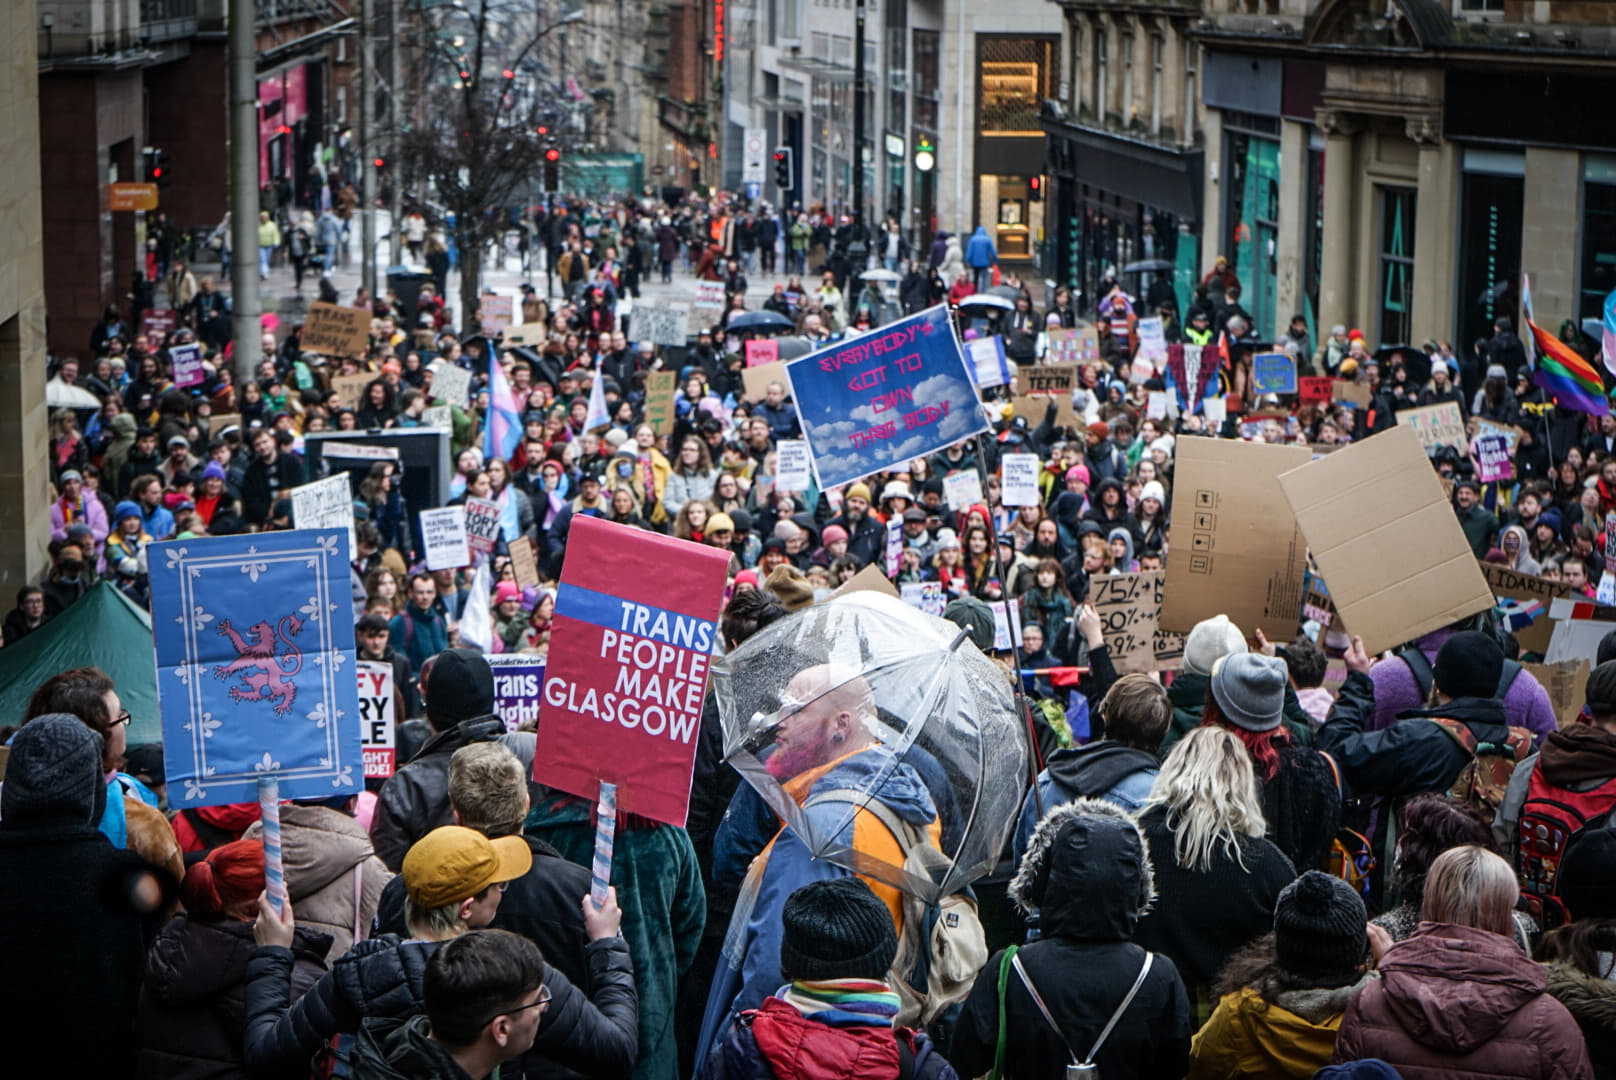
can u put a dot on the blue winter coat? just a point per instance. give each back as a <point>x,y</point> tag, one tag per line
<point>749,970</point>
<point>979,251</point>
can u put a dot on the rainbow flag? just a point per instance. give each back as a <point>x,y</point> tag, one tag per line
<point>1569,379</point>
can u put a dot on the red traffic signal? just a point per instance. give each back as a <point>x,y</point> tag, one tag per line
<point>543,130</point>
<point>381,163</point>
<point>552,154</point>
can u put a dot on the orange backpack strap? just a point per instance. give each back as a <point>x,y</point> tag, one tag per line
<point>1459,732</point>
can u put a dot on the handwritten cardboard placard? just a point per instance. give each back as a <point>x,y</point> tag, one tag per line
<point>661,324</point>
<point>660,387</point>
<point>350,389</point>
<point>1315,389</point>
<point>523,564</point>
<point>1566,683</point>
<point>450,382</point>
<point>1525,600</point>
<point>1129,606</point>
<point>335,330</point>
<point>762,351</point>
<point>1437,425</point>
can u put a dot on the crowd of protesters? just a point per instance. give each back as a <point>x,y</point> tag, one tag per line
<point>1260,864</point>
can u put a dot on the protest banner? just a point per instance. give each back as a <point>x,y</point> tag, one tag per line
<point>885,397</point>
<point>1315,389</point>
<point>444,539</point>
<point>1577,639</point>
<point>1152,342</point>
<point>1492,459</point>
<point>1018,480</point>
<point>1523,603</point>
<point>1038,385</point>
<point>494,314</point>
<point>989,367</point>
<point>1062,347</point>
<point>440,417</point>
<point>158,321</point>
<point>893,550</point>
<point>1088,345</point>
<point>359,451</point>
<point>755,381</point>
<point>351,388</point>
<point>793,471</point>
<point>709,298</point>
<point>1156,405</point>
<point>522,334</point>
<point>660,389</point>
<point>482,524</point>
<point>1273,373</point>
<point>1238,551</point>
<point>1377,496</point>
<point>1215,411</point>
<point>255,654</point>
<point>518,687</point>
<point>378,721</point>
<point>1606,592</point>
<point>628,666</point>
<point>1188,378</point>
<point>661,324</point>
<point>1508,432</point>
<point>1436,425</point>
<point>523,563</point>
<point>762,351</point>
<point>962,489</point>
<point>335,330</point>
<point>1006,625</point>
<point>325,504</point>
<point>186,363</point>
<point>928,596</point>
<point>1129,606</point>
<point>451,383</point>
<point>1350,392</point>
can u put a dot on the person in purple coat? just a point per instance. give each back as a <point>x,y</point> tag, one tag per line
<point>1526,703</point>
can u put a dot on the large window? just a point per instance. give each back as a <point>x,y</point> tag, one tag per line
<point>897,78</point>
<point>1076,32</point>
<point>926,76</point>
<point>1489,246</point>
<point>1598,277</point>
<point>1127,78</point>
<point>1102,74</point>
<point>1252,227</point>
<point>1396,323</point>
<point>1015,75</point>
<point>1157,46</point>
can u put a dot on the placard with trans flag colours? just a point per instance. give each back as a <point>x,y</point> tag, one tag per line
<point>627,668</point>
<point>885,397</point>
<point>255,666</point>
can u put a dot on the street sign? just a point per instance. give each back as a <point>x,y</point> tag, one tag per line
<point>753,156</point>
<point>131,196</point>
<point>754,188</point>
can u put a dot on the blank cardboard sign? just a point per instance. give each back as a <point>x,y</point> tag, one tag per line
<point>1386,539</point>
<point>1236,549</point>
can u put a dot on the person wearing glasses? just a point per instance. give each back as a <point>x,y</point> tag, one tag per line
<point>485,999</point>
<point>454,880</point>
<point>131,819</point>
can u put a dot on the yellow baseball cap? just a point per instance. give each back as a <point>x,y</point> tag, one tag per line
<point>454,863</point>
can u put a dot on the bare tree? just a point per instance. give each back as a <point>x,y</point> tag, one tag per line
<point>474,139</point>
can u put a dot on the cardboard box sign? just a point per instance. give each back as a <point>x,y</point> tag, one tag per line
<point>1129,606</point>
<point>1386,539</point>
<point>1566,683</point>
<point>1437,425</point>
<point>335,330</point>
<point>1525,600</point>
<point>1236,548</point>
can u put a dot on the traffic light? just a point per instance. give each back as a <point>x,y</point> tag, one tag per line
<point>1035,189</point>
<point>156,166</point>
<point>552,170</point>
<point>784,174</point>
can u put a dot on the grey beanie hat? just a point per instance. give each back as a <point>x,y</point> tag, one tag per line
<point>53,771</point>
<point>1250,689</point>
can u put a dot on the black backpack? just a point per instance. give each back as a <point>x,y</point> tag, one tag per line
<point>1424,676</point>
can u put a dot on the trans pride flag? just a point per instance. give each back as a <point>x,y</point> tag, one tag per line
<point>502,428</point>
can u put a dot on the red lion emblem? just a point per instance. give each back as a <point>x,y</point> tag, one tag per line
<point>258,666</point>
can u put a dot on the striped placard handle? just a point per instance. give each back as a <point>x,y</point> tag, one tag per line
<point>269,803</point>
<point>600,871</point>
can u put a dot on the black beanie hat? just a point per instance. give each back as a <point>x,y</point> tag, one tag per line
<point>1586,878</point>
<point>836,929</point>
<point>1469,664</point>
<point>1601,689</point>
<point>461,687</point>
<point>1319,928</point>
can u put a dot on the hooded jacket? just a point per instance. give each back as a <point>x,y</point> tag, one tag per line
<point>333,876</point>
<point>391,1049</point>
<point>1087,873</point>
<point>1457,1002</point>
<point>1592,1004</point>
<point>750,969</point>
<point>193,997</point>
<point>415,799</point>
<point>1413,755</point>
<point>1293,1036</point>
<point>1578,759</point>
<point>1104,769</point>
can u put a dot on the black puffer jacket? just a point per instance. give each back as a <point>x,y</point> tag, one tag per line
<point>382,978</point>
<point>192,1007</point>
<point>415,800</point>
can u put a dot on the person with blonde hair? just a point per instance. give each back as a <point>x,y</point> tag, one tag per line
<point>1217,876</point>
<point>1459,998</point>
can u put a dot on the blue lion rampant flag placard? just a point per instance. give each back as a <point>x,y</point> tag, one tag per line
<point>255,663</point>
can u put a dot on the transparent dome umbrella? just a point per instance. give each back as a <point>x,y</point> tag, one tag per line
<point>937,732</point>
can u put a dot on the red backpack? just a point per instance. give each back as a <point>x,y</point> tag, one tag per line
<point>1550,817</point>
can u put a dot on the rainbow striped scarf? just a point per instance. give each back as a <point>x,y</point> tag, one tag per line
<point>843,1001</point>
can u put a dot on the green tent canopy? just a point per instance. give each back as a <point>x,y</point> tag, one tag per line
<point>103,629</point>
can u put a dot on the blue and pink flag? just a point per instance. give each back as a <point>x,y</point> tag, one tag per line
<point>502,428</point>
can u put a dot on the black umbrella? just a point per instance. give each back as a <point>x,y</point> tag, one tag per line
<point>1492,294</point>
<point>763,321</point>
<point>1414,360</point>
<point>791,347</point>
<point>987,300</point>
<point>1148,266</point>
<point>544,366</point>
<point>1009,292</point>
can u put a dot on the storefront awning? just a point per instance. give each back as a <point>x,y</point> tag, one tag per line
<point>287,51</point>
<point>1167,179</point>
